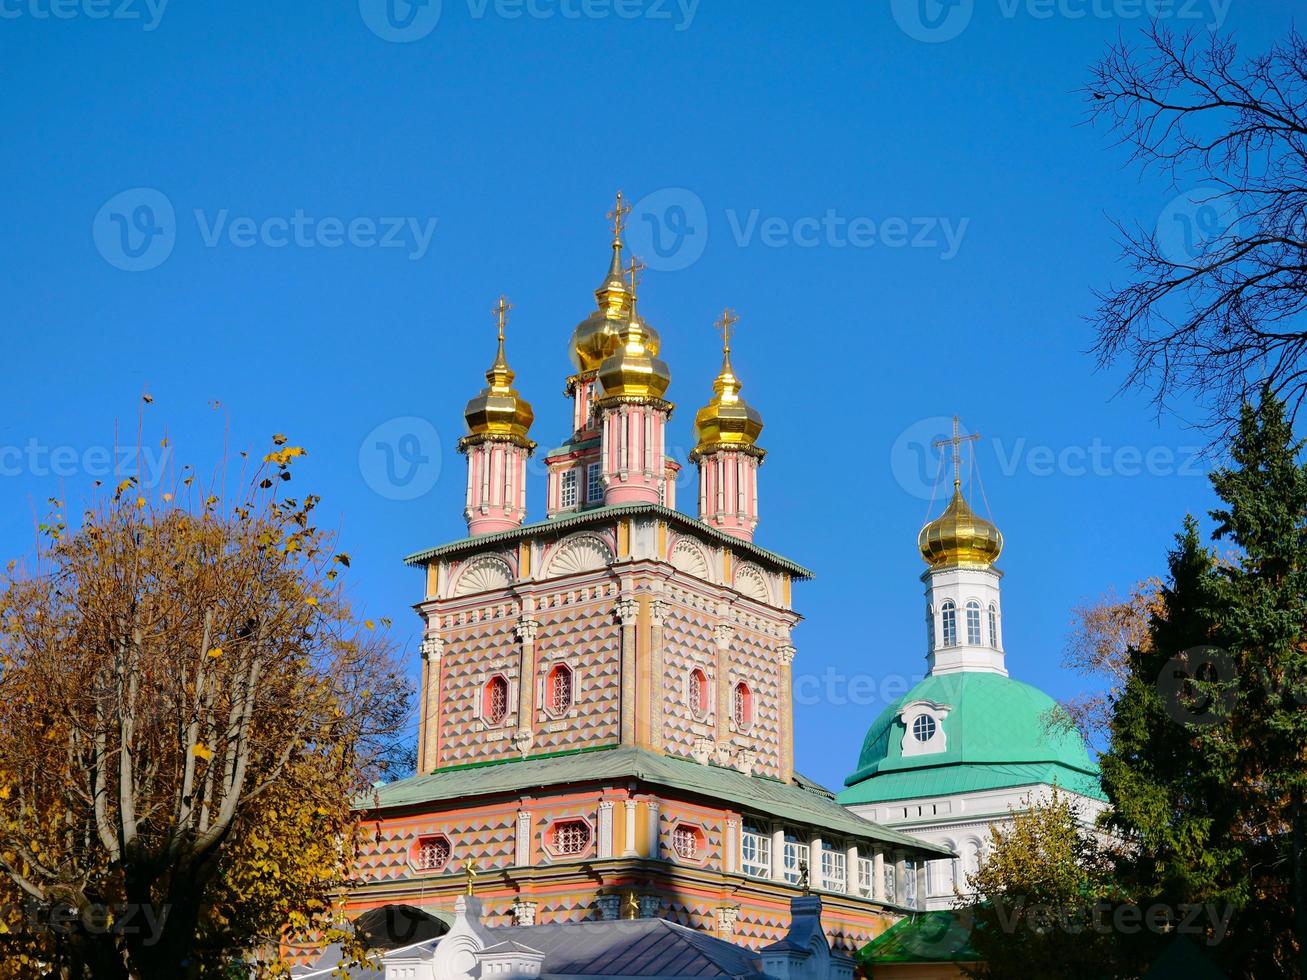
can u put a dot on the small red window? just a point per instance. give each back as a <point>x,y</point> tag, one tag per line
<point>559,690</point>
<point>571,837</point>
<point>494,703</point>
<point>743,706</point>
<point>687,842</point>
<point>432,853</point>
<point>697,693</point>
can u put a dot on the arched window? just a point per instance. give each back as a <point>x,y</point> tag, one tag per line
<point>993,625</point>
<point>973,623</point>
<point>494,700</point>
<point>930,627</point>
<point>743,707</point>
<point>696,693</point>
<point>559,690</point>
<point>949,614</point>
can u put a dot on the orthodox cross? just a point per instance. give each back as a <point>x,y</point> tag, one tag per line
<point>633,273</point>
<point>501,313</point>
<point>470,869</point>
<point>618,217</point>
<point>728,319</point>
<point>956,442</point>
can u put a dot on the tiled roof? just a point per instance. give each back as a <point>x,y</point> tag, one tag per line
<point>803,801</point>
<point>601,514</point>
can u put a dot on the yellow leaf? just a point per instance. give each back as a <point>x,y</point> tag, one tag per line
<point>369,624</point>
<point>312,600</point>
<point>140,501</point>
<point>202,751</point>
<point>215,653</point>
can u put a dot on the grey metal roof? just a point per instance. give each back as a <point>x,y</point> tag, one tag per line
<point>600,514</point>
<point>802,802</point>
<point>632,948</point>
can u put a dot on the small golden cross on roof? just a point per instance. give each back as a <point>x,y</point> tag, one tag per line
<point>724,323</point>
<point>470,869</point>
<point>618,216</point>
<point>633,274</point>
<point>956,442</point>
<point>501,312</point>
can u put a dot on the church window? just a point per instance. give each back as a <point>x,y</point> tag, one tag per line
<point>993,626</point>
<point>432,853</point>
<point>568,490</point>
<point>687,842</point>
<point>755,851</point>
<point>973,623</point>
<point>594,488</point>
<point>796,854</point>
<point>866,877</point>
<point>571,837</point>
<point>494,707</point>
<point>558,690</point>
<point>743,707</point>
<point>834,870</point>
<point>949,614</point>
<point>910,885</point>
<point>923,728</point>
<point>697,693</point>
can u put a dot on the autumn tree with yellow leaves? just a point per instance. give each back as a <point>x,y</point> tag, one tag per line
<point>188,708</point>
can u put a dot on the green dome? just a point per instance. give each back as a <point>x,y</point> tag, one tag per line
<point>998,733</point>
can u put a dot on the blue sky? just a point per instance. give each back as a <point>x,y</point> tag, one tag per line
<point>906,209</point>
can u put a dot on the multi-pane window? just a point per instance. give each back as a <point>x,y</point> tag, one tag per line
<point>696,693</point>
<point>866,877</point>
<point>742,707</point>
<point>910,886</point>
<point>495,707</point>
<point>755,851</point>
<point>560,690</point>
<point>594,487</point>
<point>993,626</point>
<point>571,837</point>
<point>685,842</point>
<point>940,876</point>
<point>973,623</point>
<point>949,616</point>
<point>834,870</point>
<point>795,854</point>
<point>432,853</point>
<point>568,489</point>
<point>923,728</point>
<point>891,893</point>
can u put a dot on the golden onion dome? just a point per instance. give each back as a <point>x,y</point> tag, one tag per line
<point>727,421</point>
<point>499,412</point>
<point>595,338</point>
<point>634,370</point>
<point>960,537</point>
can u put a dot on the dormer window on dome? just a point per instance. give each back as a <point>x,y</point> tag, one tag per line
<point>923,728</point>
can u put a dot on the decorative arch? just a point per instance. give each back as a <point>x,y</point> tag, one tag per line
<point>689,558</point>
<point>484,574</point>
<point>750,581</point>
<point>579,553</point>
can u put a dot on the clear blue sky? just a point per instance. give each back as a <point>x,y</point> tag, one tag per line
<point>512,133</point>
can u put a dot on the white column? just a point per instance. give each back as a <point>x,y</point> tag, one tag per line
<point>731,843</point>
<point>605,828</point>
<point>631,807</point>
<point>851,871</point>
<point>878,875</point>
<point>653,830</point>
<point>523,856</point>
<point>778,854</point>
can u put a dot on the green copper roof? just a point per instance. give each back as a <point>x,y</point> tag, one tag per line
<point>603,514</point>
<point>943,936</point>
<point>999,733</point>
<point>802,801</point>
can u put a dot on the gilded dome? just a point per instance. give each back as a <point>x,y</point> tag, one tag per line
<point>727,421</point>
<point>595,338</point>
<point>634,370</point>
<point>959,537</point>
<point>499,411</point>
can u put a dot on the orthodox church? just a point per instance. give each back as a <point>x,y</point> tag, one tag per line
<point>606,739</point>
<point>967,746</point>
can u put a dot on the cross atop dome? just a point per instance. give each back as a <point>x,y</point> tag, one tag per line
<point>956,442</point>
